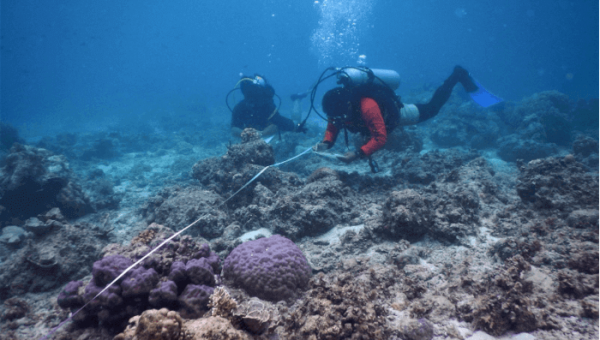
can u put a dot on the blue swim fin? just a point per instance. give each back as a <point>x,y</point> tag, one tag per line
<point>483,97</point>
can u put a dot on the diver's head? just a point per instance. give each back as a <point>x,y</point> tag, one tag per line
<point>337,102</point>
<point>257,89</point>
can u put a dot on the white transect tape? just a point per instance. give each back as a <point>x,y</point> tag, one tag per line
<point>169,239</point>
<point>329,155</point>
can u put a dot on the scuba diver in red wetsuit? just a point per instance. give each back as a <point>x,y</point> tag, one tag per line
<point>374,111</point>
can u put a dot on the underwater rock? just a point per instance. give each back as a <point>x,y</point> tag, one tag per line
<point>345,305</point>
<point>424,169</point>
<point>37,227</point>
<point>405,215</point>
<point>404,140</point>
<point>102,194</point>
<point>512,148</point>
<point>549,110</point>
<point>420,329</point>
<point>254,314</point>
<point>554,183</point>
<point>33,180</point>
<point>272,268</point>
<point>215,327</point>
<point>102,148</point>
<point>232,170</point>
<point>584,146</point>
<point>583,219</point>
<point>318,206</point>
<point>506,304</point>
<point>15,308</point>
<point>51,260</point>
<point>154,324</point>
<point>13,235</point>
<point>177,207</point>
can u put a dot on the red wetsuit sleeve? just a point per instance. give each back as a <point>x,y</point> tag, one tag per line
<point>374,122</point>
<point>331,133</point>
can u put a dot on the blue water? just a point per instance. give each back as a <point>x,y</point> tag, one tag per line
<point>92,65</point>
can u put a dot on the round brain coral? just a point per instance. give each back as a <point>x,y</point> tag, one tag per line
<point>270,268</point>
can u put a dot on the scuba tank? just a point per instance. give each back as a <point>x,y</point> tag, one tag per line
<point>353,76</point>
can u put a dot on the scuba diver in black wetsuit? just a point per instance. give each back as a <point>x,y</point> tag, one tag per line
<point>258,110</point>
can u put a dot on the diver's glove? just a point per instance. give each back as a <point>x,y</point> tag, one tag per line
<point>350,156</point>
<point>320,147</point>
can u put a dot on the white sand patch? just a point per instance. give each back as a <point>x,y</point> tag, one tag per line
<point>251,235</point>
<point>333,235</point>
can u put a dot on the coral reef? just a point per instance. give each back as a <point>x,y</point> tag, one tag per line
<point>52,259</point>
<point>154,324</point>
<point>557,184</point>
<point>176,207</point>
<point>148,284</point>
<point>344,305</point>
<point>440,244</point>
<point>34,180</point>
<point>237,166</point>
<point>272,268</point>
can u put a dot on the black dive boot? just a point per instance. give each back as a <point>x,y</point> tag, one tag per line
<point>464,78</point>
<point>442,93</point>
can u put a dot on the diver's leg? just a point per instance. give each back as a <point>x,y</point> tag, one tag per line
<point>441,95</point>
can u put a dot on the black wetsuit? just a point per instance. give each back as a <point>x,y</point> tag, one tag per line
<point>442,93</point>
<point>256,113</point>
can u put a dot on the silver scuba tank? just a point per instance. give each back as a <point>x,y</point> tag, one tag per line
<point>352,76</point>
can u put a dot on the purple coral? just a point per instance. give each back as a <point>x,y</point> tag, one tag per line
<point>139,281</point>
<point>145,285</point>
<point>109,268</point>
<point>69,296</point>
<point>200,272</point>
<point>110,298</point>
<point>203,252</point>
<point>164,296</point>
<point>194,298</point>
<point>270,268</point>
<point>177,273</point>
<point>211,257</point>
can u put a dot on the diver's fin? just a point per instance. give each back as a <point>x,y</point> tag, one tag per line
<point>268,139</point>
<point>483,97</point>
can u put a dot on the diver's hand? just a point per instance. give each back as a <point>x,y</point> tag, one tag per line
<point>319,147</point>
<point>349,157</point>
